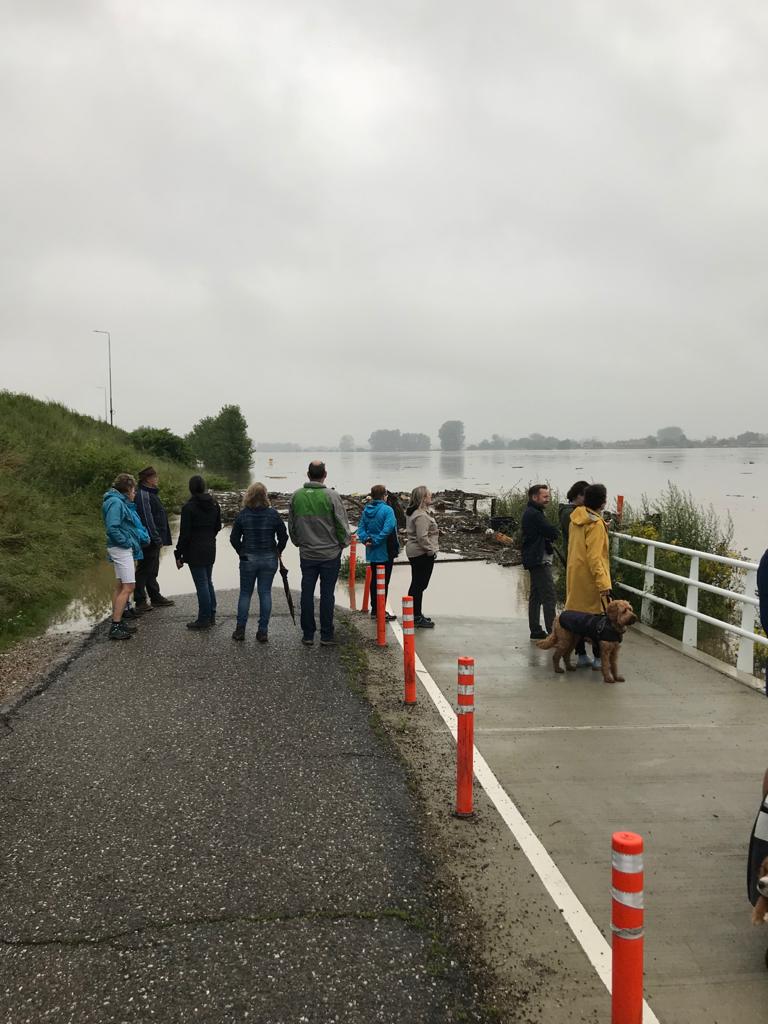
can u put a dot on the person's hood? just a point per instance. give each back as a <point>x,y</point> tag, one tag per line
<point>110,496</point>
<point>582,516</point>
<point>202,499</point>
<point>371,511</point>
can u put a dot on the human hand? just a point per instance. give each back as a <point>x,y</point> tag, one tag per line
<point>179,562</point>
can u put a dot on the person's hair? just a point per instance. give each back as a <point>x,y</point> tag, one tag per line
<point>146,473</point>
<point>196,485</point>
<point>577,490</point>
<point>316,470</point>
<point>418,494</point>
<point>378,492</point>
<point>595,496</point>
<point>256,496</point>
<point>534,490</point>
<point>123,482</point>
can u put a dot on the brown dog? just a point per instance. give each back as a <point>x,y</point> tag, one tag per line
<point>760,911</point>
<point>608,629</point>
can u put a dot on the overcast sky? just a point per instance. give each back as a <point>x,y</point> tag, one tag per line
<point>349,214</point>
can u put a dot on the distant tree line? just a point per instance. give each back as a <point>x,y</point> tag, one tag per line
<point>665,437</point>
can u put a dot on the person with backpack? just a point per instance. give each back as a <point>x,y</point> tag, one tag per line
<point>377,530</point>
<point>259,537</point>
<point>196,547</point>
<point>125,537</point>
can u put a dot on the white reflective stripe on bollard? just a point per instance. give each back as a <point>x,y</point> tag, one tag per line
<point>628,899</point>
<point>627,863</point>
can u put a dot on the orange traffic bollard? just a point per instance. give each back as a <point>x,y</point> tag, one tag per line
<point>381,610</point>
<point>366,589</point>
<point>627,928</point>
<point>352,573</point>
<point>409,652</point>
<point>465,739</point>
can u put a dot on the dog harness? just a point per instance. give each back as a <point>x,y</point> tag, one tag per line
<point>596,627</point>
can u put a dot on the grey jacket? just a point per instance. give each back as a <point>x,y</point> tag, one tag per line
<point>317,522</point>
<point>421,534</point>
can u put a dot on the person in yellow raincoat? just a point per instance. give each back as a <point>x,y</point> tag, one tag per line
<point>588,576</point>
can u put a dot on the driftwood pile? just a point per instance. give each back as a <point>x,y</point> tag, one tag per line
<point>462,516</point>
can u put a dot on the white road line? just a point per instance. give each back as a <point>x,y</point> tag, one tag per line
<point>588,935</point>
<point>596,728</point>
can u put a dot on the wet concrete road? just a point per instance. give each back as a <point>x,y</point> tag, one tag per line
<point>676,753</point>
<point>198,830</point>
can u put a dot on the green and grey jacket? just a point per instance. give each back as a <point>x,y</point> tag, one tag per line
<point>317,522</point>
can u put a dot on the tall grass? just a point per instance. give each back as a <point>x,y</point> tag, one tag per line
<point>55,464</point>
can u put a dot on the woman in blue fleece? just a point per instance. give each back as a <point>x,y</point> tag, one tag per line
<point>125,536</point>
<point>377,529</point>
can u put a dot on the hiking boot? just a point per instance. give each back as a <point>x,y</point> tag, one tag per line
<point>130,626</point>
<point>388,616</point>
<point>162,602</point>
<point>141,609</point>
<point>330,642</point>
<point>307,640</point>
<point>422,622</point>
<point>117,631</point>
<point>539,634</point>
<point>239,633</point>
<point>261,637</point>
<point>199,624</point>
<point>130,613</point>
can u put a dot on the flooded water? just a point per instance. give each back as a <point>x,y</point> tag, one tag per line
<point>734,481</point>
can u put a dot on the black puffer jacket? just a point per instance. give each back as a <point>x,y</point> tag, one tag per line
<point>200,522</point>
<point>538,535</point>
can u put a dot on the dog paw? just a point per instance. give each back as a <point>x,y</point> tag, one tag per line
<point>608,679</point>
<point>618,679</point>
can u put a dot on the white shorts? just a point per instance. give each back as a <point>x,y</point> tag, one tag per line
<point>125,568</point>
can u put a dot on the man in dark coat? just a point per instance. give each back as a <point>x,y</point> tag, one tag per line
<point>155,519</point>
<point>538,535</point>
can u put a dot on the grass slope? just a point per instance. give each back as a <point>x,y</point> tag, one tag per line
<point>55,464</point>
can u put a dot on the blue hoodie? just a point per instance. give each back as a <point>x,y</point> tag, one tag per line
<point>376,523</point>
<point>124,528</point>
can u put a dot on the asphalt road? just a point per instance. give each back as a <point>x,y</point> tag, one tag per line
<point>198,830</point>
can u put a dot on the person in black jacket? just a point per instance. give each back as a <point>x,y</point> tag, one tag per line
<point>196,547</point>
<point>538,535</point>
<point>155,519</point>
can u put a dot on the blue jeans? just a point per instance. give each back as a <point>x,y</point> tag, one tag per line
<point>206,595</point>
<point>327,571</point>
<point>255,569</point>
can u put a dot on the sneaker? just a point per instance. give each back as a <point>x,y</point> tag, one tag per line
<point>584,661</point>
<point>597,665</point>
<point>117,631</point>
<point>199,624</point>
<point>539,634</point>
<point>130,626</point>
<point>162,602</point>
<point>239,633</point>
<point>261,637</point>
<point>130,613</point>
<point>388,616</point>
<point>330,642</point>
<point>307,640</point>
<point>423,623</point>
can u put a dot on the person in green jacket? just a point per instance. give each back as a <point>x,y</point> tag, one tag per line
<point>318,526</point>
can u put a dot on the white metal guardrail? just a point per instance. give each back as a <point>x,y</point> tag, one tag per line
<point>745,660</point>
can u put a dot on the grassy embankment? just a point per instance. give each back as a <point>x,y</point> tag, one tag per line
<point>55,465</point>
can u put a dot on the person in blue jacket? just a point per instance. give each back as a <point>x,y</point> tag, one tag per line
<point>125,537</point>
<point>377,529</point>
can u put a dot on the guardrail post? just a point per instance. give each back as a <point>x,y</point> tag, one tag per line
<point>627,928</point>
<point>353,573</point>
<point>745,659</point>
<point>690,627</point>
<point>409,652</point>
<point>646,609</point>
<point>465,737</point>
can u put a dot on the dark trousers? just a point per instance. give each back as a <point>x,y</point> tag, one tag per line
<point>421,572</point>
<point>327,571</point>
<point>543,595</point>
<point>387,574</point>
<point>147,569</point>
<point>202,575</point>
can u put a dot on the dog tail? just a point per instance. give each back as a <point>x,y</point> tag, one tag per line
<point>548,644</point>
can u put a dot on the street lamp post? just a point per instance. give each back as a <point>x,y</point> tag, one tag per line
<point>100,387</point>
<point>109,350</point>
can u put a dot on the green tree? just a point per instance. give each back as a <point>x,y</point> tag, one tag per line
<point>452,436</point>
<point>347,443</point>
<point>162,442</point>
<point>221,442</point>
<point>671,437</point>
<point>385,441</point>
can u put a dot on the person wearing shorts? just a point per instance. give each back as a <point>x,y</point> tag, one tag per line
<point>125,536</point>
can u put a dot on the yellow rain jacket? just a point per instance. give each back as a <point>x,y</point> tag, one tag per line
<point>589,569</point>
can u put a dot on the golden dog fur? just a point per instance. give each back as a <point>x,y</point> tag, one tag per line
<point>621,615</point>
<point>760,911</point>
